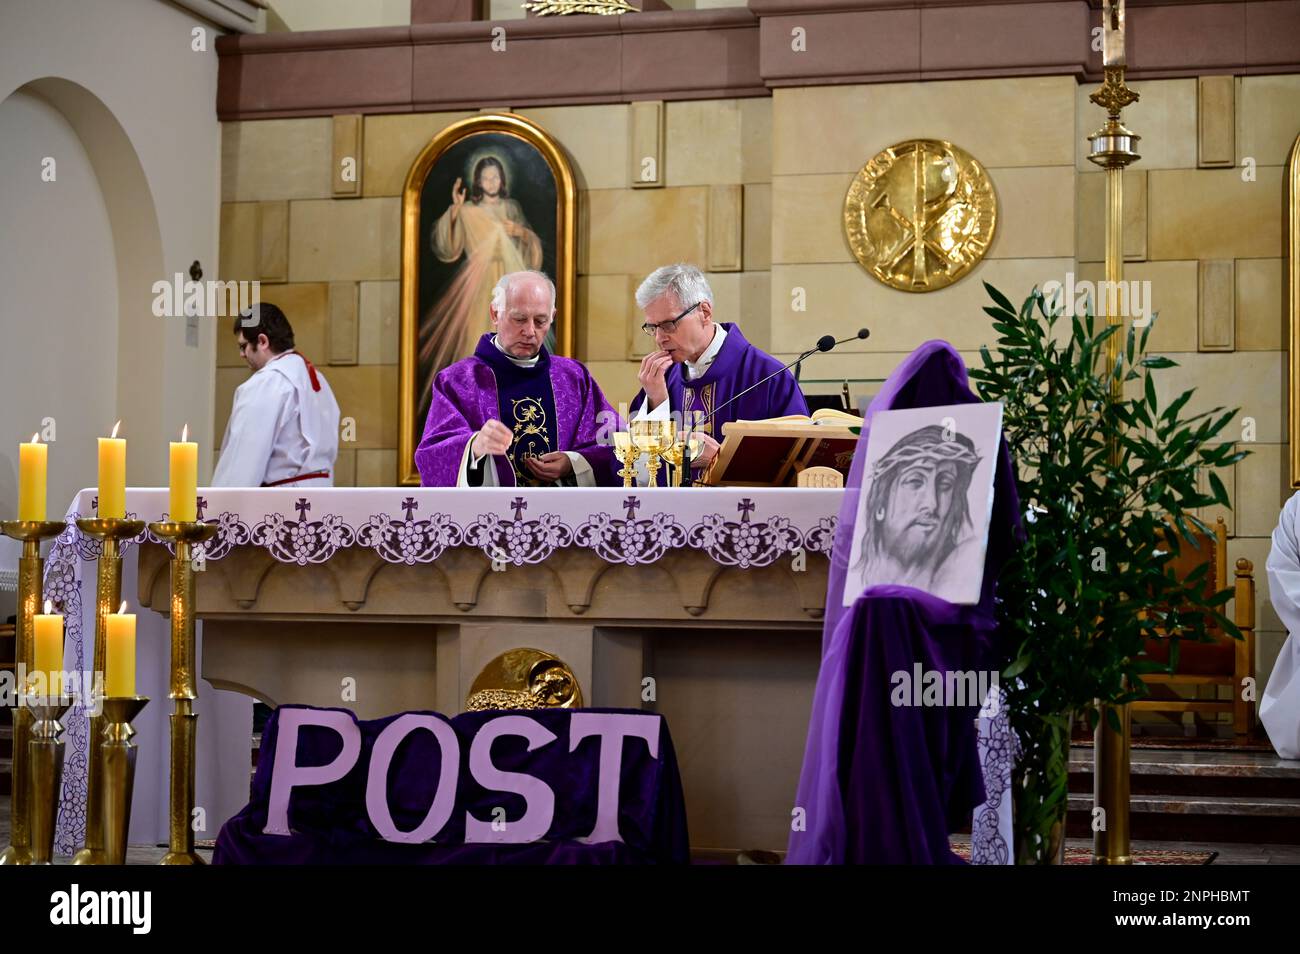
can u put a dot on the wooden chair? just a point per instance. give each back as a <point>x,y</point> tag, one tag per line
<point>1223,662</point>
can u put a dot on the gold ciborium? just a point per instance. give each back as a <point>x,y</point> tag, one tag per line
<point>627,454</point>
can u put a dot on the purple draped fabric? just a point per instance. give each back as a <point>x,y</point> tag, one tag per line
<point>465,398</point>
<point>329,823</point>
<point>885,784</point>
<point>737,365</point>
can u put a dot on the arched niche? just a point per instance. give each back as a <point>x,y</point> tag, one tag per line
<point>127,335</point>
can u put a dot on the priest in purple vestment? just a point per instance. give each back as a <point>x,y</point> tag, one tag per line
<point>884,783</point>
<point>513,414</point>
<point>701,364</point>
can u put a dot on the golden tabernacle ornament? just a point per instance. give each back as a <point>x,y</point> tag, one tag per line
<point>920,214</point>
<point>525,679</point>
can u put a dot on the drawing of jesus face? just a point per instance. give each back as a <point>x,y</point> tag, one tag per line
<point>916,508</point>
<point>917,511</point>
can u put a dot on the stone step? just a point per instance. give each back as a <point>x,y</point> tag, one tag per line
<point>1201,805</point>
<point>1197,764</point>
<point>1252,819</point>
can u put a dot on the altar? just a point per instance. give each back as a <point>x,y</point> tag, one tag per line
<point>702,605</point>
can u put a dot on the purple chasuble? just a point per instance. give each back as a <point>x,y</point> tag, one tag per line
<point>884,783</point>
<point>737,365</point>
<point>470,392</point>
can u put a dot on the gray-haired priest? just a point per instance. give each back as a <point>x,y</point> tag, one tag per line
<point>700,364</point>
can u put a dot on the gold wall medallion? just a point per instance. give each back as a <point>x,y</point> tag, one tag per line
<point>920,214</point>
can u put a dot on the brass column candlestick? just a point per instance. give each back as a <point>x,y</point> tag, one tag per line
<point>108,595</point>
<point>30,576</point>
<point>117,774</point>
<point>184,535</point>
<point>1112,148</point>
<point>45,754</point>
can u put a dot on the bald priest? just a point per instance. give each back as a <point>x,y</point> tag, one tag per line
<point>513,414</point>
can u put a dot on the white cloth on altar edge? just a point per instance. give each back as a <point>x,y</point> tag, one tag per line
<point>1279,707</point>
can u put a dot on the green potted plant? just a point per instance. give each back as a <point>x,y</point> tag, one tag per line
<point>1107,490</point>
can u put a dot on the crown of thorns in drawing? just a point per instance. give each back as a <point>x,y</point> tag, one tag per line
<point>936,451</point>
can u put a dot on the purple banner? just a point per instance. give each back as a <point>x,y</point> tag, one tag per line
<point>552,786</point>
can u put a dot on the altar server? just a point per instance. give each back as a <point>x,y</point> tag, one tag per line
<point>1279,709</point>
<point>699,364</point>
<point>284,425</point>
<point>513,414</point>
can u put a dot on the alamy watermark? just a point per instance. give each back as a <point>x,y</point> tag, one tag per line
<point>945,687</point>
<point>181,298</point>
<point>19,685</point>
<point>1129,299</point>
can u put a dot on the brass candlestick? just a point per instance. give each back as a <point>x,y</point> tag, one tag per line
<point>117,774</point>
<point>627,455</point>
<point>45,752</point>
<point>108,596</point>
<point>183,693</point>
<point>1113,148</point>
<point>30,576</point>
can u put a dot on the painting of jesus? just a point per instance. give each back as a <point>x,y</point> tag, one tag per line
<point>489,195</point>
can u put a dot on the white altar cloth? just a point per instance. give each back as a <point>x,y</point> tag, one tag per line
<point>736,526</point>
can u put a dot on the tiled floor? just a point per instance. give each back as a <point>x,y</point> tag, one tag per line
<point>1229,854</point>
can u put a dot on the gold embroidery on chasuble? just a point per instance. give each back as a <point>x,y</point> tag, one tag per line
<point>531,437</point>
<point>702,401</point>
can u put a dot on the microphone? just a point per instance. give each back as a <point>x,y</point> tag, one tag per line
<point>824,343</point>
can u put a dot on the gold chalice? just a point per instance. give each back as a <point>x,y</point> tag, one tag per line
<point>671,449</point>
<point>627,455</point>
<point>647,437</point>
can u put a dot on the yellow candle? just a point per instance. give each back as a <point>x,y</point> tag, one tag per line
<point>184,478</point>
<point>48,649</point>
<point>119,658</point>
<point>112,475</point>
<point>32,459</point>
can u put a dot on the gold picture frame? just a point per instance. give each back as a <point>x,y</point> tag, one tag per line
<point>413,229</point>
<point>1293,303</point>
